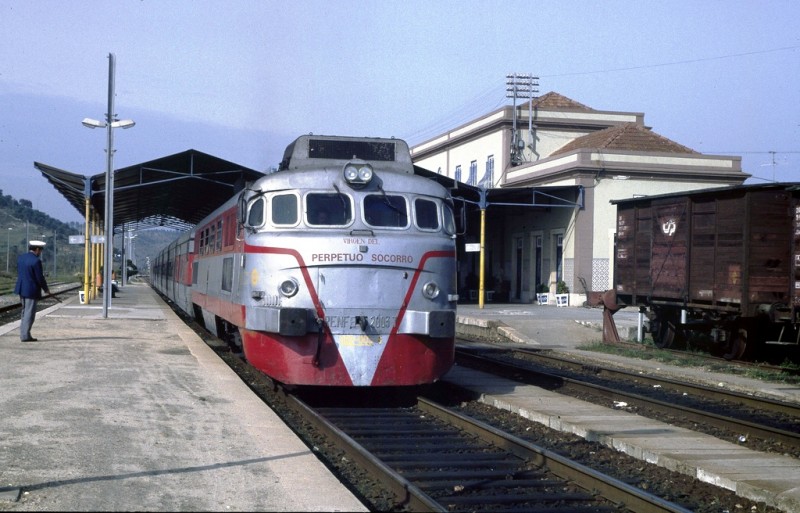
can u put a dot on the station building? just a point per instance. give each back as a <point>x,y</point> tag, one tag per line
<point>548,170</point>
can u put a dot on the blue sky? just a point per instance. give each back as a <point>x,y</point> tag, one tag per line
<point>241,79</point>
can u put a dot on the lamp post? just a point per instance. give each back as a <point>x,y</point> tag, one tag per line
<point>43,238</point>
<point>8,247</point>
<point>110,124</point>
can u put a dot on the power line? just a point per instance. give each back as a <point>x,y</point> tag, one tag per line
<point>707,152</point>
<point>673,63</point>
<point>477,105</point>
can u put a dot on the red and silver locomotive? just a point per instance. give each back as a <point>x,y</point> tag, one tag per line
<point>337,270</point>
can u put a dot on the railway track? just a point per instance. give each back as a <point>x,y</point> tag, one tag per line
<point>717,361</point>
<point>772,425</point>
<point>435,459</point>
<point>12,305</point>
<point>361,469</point>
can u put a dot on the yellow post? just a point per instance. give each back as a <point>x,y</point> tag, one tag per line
<point>86,247</point>
<point>481,279</point>
<point>95,249</point>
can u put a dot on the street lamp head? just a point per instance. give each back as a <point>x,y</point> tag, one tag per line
<point>123,123</point>
<point>92,123</point>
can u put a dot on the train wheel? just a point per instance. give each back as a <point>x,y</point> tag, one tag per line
<point>737,346</point>
<point>236,343</point>
<point>666,335</point>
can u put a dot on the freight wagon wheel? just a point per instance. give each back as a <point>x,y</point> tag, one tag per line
<point>667,335</point>
<point>737,346</point>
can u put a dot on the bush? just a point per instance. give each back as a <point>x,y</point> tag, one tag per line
<point>561,288</point>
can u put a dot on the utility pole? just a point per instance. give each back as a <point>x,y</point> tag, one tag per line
<point>520,86</point>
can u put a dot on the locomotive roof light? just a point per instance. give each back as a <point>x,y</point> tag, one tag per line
<point>430,290</point>
<point>357,173</point>
<point>289,287</point>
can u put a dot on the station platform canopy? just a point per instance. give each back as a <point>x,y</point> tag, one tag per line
<point>543,197</point>
<point>176,191</point>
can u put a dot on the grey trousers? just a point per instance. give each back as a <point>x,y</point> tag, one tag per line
<point>28,316</point>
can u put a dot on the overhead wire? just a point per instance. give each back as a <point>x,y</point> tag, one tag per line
<point>481,104</point>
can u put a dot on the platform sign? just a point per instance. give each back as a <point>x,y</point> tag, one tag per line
<point>472,247</point>
<point>98,239</point>
<point>77,239</point>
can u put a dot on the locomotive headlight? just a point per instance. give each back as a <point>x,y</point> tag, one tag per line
<point>365,174</point>
<point>289,287</point>
<point>430,290</point>
<point>350,173</point>
<point>357,174</point>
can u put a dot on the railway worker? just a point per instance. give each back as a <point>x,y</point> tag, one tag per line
<point>30,284</point>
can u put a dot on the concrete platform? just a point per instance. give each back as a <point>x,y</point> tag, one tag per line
<point>566,330</point>
<point>135,412</point>
<point>773,479</point>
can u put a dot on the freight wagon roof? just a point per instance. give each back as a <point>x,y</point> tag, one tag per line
<point>175,191</point>
<point>734,189</point>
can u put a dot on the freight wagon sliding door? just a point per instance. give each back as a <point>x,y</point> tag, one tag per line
<point>669,260</point>
<point>718,250</point>
<point>770,232</point>
<point>632,254</point>
<point>706,253</point>
<point>795,285</point>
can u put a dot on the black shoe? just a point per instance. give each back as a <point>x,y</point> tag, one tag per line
<point>31,339</point>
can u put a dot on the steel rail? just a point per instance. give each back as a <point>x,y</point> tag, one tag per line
<point>413,497</point>
<point>17,304</point>
<point>762,403</point>
<point>607,487</point>
<point>566,383</point>
<point>407,493</point>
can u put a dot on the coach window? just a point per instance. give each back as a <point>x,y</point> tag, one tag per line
<point>212,238</point>
<point>255,214</point>
<point>284,209</point>
<point>328,209</point>
<point>383,210</point>
<point>426,214</point>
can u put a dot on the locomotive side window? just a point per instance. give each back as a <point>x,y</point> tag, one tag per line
<point>255,214</point>
<point>449,220</point>
<point>227,274</point>
<point>284,209</point>
<point>385,211</point>
<point>328,209</point>
<point>426,214</point>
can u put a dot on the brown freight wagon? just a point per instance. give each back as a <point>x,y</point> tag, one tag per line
<point>717,266</point>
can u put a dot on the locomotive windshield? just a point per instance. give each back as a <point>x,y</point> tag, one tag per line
<point>328,209</point>
<point>426,214</point>
<point>385,211</point>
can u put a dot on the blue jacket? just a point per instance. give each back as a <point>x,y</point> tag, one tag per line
<point>30,277</point>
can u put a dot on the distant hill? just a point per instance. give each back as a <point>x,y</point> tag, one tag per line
<point>20,222</point>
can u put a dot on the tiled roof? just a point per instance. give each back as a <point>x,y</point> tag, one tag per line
<point>629,136</point>
<point>555,101</point>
